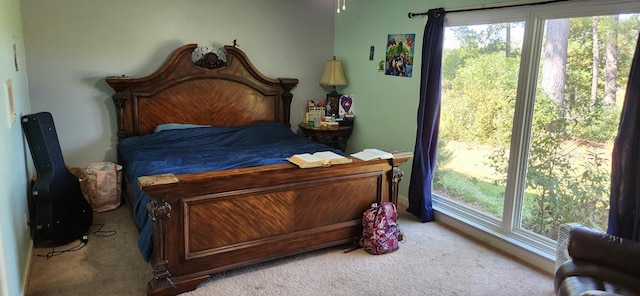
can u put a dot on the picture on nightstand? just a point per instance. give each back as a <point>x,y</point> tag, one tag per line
<point>346,105</point>
<point>333,103</point>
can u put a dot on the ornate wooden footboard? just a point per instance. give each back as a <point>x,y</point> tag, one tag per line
<point>207,222</point>
<point>210,222</point>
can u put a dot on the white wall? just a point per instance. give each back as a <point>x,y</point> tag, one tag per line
<point>15,243</point>
<point>72,46</point>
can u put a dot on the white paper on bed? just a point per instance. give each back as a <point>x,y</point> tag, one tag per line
<point>372,153</point>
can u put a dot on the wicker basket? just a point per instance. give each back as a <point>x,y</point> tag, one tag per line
<point>101,184</point>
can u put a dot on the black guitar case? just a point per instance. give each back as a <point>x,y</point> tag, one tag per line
<point>60,213</point>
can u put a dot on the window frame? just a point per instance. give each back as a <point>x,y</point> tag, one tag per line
<point>534,16</point>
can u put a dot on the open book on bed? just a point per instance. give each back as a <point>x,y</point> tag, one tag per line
<point>318,159</point>
<point>371,154</point>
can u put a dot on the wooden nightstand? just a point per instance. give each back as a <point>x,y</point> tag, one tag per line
<point>335,137</point>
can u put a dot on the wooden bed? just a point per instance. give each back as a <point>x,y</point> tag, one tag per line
<point>208,222</point>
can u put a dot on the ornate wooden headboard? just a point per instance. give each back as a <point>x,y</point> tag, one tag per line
<point>200,86</point>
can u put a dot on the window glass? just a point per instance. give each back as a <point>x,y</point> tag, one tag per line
<point>479,83</point>
<point>526,133</point>
<point>584,66</point>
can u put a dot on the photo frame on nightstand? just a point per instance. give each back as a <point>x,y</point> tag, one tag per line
<point>346,105</point>
<point>333,100</point>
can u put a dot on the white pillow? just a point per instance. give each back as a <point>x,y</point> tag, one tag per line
<point>172,126</point>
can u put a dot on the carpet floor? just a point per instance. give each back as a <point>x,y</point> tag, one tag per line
<point>434,260</point>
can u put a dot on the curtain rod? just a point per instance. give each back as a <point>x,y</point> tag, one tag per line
<point>412,14</point>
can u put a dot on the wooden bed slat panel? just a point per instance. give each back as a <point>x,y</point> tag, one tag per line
<point>244,218</point>
<point>267,249</point>
<point>238,219</point>
<point>339,202</point>
<point>232,105</point>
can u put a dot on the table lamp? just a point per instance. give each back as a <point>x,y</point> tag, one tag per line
<point>333,76</point>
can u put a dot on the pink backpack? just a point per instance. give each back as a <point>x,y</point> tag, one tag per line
<point>380,231</point>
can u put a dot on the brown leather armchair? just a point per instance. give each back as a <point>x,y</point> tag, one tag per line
<point>600,264</point>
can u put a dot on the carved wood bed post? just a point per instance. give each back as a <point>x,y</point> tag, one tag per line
<point>160,212</point>
<point>287,96</point>
<point>395,175</point>
<point>120,100</point>
<point>158,187</point>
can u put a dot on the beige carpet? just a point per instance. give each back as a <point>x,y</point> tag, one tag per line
<point>433,261</point>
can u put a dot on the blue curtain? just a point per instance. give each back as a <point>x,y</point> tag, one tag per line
<point>624,212</point>
<point>424,155</point>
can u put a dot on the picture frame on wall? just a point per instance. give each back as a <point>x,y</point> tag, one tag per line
<point>399,55</point>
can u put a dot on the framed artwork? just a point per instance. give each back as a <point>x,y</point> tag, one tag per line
<point>346,105</point>
<point>399,55</point>
<point>333,103</point>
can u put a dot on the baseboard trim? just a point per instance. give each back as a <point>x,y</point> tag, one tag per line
<point>27,270</point>
<point>495,240</point>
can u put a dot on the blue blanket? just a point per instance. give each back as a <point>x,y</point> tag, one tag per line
<point>203,149</point>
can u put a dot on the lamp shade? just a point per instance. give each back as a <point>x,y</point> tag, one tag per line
<point>333,74</point>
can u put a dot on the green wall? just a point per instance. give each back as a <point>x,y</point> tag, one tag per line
<point>15,243</point>
<point>385,106</point>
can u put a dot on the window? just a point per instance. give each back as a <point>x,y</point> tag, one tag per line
<point>531,99</point>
